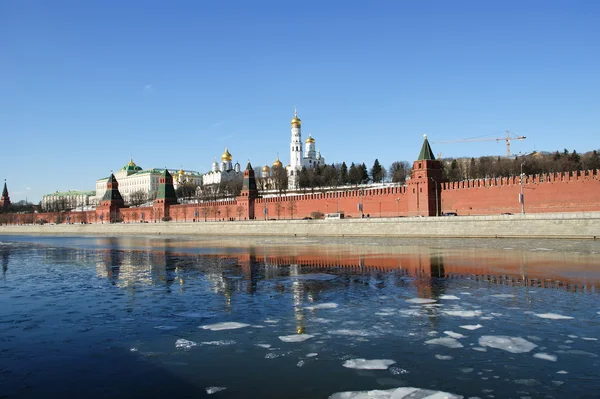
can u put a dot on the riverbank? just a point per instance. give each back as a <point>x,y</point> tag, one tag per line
<point>580,225</point>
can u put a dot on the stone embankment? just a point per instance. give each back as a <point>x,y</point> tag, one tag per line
<point>583,225</point>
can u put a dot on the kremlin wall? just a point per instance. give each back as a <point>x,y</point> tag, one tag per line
<point>425,195</point>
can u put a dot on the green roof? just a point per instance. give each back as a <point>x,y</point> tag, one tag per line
<point>71,192</point>
<point>426,154</point>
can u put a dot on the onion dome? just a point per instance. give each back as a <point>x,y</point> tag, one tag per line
<point>226,157</point>
<point>266,169</point>
<point>287,168</point>
<point>295,119</point>
<point>277,163</point>
<point>131,166</point>
<point>310,139</point>
<point>181,172</point>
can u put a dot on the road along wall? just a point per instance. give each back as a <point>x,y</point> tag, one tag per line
<point>582,225</point>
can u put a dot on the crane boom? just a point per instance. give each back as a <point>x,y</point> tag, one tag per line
<point>508,139</point>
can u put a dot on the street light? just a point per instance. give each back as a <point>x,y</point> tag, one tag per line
<point>521,196</point>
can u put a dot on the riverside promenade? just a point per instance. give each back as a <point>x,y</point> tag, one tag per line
<point>581,225</point>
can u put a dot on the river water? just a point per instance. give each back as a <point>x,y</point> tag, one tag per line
<point>298,318</point>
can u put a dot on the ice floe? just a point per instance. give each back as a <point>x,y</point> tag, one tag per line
<point>471,326</point>
<point>218,343</point>
<point>562,372</point>
<point>577,352</point>
<point>545,356</point>
<point>509,344</point>
<point>184,344</point>
<point>211,390</point>
<point>589,339</point>
<point>295,337</point>
<point>165,328</point>
<point>271,321</point>
<point>311,354</point>
<point>229,325</point>
<point>479,349</point>
<point>463,313</point>
<point>395,393</point>
<point>502,296</point>
<point>449,297</point>
<point>328,305</point>
<point>553,316</point>
<point>384,314</point>
<point>452,334</point>
<point>445,341</point>
<point>265,346</point>
<point>321,320</point>
<point>364,364</point>
<point>443,357</point>
<point>421,300</point>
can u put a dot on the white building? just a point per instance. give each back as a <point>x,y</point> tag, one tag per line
<point>311,158</point>
<point>132,178</point>
<point>223,172</point>
<point>66,200</point>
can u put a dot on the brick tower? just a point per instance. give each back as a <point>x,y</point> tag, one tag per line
<point>249,192</point>
<point>424,188</point>
<point>5,199</point>
<point>166,196</point>
<point>111,202</point>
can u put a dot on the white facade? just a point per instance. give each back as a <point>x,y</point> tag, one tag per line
<point>132,178</point>
<point>68,200</point>
<point>311,159</point>
<point>225,171</point>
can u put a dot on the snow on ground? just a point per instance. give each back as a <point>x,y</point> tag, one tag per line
<point>364,364</point>
<point>445,341</point>
<point>328,305</point>
<point>471,326</point>
<point>509,344</point>
<point>230,325</point>
<point>552,316</point>
<point>295,337</point>
<point>395,393</point>
<point>545,356</point>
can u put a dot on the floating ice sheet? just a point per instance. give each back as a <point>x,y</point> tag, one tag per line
<point>265,346</point>
<point>545,356</point>
<point>443,357</point>
<point>449,297</point>
<point>471,326</point>
<point>211,390</point>
<point>445,341</point>
<point>395,393</point>
<point>463,313</point>
<point>503,296</point>
<point>421,300</point>
<point>311,354</point>
<point>295,337</point>
<point>229,325</point>
<point>452,334</point>
<point>328,305</point>
<point>184,344</point>
<point>553,316</point>
<point>364,364</point>
<point>509,344</point>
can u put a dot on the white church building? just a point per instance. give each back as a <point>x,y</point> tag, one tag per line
<point>309,158</point>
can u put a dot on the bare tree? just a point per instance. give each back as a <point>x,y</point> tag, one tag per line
<point>239,209</point>
<point>278,208</point>
<point>292,206</point>
<point>137,198</point>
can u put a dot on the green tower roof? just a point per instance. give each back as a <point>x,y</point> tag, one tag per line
<point>166,190</point>
<point>426,154</point>
<point>5,190</point>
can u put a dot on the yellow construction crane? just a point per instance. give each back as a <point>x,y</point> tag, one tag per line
<point>508,139</point>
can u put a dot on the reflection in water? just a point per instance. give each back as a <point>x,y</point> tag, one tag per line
<point>4,257</point>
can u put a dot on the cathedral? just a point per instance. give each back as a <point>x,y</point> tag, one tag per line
<point>223,172</point>
<point>311,158</point>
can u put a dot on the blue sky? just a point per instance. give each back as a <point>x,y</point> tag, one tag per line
<point>86,84</point>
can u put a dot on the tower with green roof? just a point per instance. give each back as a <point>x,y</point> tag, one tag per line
<point>165,197</point>
<point>111,202</point>
<point>424,187</point>
<point>249,192</point>
<point>5,199</point>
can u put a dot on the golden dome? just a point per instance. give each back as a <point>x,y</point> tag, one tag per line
<point>295,119</point>
<point>277,163</point>
<point>310,139</point>
<point>226,155</point>
<point>181,172</point>
<point>266,169</point>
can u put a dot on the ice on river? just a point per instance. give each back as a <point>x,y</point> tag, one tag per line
<point>509,344</point>
<point>545,356</point>
<point>395,393</point>
<point>552,316</point>
<point>184,344</point>
<point>211,390</point>
<point>364,364</point>
<point>463,313</point>
<point>471,326</point>
<point>229,325</point>
<point>328,305</point>
<point>351,333</point>
<point>452,334</point>
<point>295,337</point>
<point>445,341</point>
<point>449,297</point>
<point>421,300</point>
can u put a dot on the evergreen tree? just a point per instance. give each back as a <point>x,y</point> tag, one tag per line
<point>364,174</point>
<point>377,172</point>
<point>354,174</point>
<point>343,174</point>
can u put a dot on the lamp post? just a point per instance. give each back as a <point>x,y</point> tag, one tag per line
<point>360,205</point>
<point>521,196</point>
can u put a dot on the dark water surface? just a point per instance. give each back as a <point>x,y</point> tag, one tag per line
<point>293,318</point>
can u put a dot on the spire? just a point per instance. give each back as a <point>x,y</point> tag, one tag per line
<point>4,190</point>
<point>426,154</point>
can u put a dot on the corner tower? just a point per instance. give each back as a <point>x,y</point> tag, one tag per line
<point>249,193</point>
<point>295,152</point>
<point>111,202</point>
<point>165,197</point>
<point>5,199</point>
<point>424,187</point>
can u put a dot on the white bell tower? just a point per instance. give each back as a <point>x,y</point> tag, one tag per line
<point>295,152</point>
